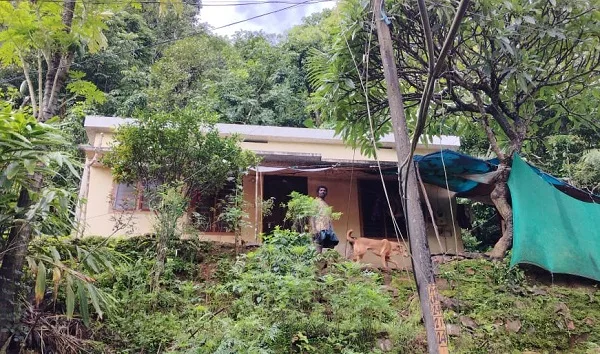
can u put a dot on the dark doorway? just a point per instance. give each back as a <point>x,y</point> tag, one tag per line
<point>375,211</point>
<point>280,187</point>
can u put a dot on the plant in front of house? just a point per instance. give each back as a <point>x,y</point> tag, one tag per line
<point>180,148</point>
<point>169,207</point>
<point>301,208</point>
<point>277,300</point>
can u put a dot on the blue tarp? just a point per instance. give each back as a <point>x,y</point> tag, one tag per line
<point>460,170</point>
<point>436,167</point>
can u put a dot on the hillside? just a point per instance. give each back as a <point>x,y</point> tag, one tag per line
<point>281,297</point>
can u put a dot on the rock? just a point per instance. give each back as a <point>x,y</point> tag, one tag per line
<point>470,271</point>
<point>442,284</point>
<point>513,325</point>
<point>468,322</point>
<point>385,344</point>
<point>570,325</point>
<point>453,330</point>
<point>393,291</point>
<point>576,339</point>
<point>562,309</point>
<point>519,304</point>
<point>537,291</point>
<point>589,321</point>
<point>449,303</point>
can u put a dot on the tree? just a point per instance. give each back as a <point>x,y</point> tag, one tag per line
<point>524,65</point>
<point>43,38</point>
<point>248,80</point>
<point>169,206</point>
<point>30,203</point>
<point>302,40</point>
<point>189,67</point>
<point>181,148</point>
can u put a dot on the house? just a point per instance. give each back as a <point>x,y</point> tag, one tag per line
<point>299,159</point>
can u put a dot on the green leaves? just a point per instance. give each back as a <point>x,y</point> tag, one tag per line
<point>525,60</point>
<point>83,304</point>
<point>70,273</point>
<point>178,147</point>
<point>281,298</point>
<point>28,148</point>
<point>70,297</point>
<point>40,283</point>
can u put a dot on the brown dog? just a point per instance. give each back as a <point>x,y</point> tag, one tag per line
<point>382,248</point>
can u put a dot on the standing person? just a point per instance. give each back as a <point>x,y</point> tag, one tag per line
<point>322,227</point>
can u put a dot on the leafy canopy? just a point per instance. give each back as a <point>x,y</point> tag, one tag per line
<point>27,148</point>
<point>178,147</point>
<point>525,64</point>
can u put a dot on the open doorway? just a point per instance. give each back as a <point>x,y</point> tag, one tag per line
<point>376,216</point>
<point>279,188</point>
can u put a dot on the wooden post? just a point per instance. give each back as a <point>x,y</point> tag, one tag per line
<point>437,340</point>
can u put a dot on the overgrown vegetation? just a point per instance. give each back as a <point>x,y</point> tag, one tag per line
<point>524,72</point>
<point>502,310</point>
<point>283,297</point>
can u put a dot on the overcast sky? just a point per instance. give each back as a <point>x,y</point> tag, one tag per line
<point>278,22</point>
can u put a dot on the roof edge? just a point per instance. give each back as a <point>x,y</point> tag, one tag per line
<point>259,132</point>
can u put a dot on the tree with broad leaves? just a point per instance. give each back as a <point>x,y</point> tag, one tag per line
<point>514,68</point>
<point>180,152</point>
<point>42,38</point>
<point>31,203</point>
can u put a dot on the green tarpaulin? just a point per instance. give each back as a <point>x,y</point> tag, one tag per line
<point>551,229</point>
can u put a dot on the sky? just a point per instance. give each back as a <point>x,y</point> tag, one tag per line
<point>278,22</point>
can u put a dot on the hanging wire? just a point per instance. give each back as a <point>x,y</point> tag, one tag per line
<point>348,202</point>
<point>364,85</point>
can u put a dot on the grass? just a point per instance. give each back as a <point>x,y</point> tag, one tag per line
<point>205,290</point>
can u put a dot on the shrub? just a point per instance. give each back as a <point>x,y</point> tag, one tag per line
<point>277,301</point>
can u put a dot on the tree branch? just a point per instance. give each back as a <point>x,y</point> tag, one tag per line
<point>29,85</point>
<point>486,126</point>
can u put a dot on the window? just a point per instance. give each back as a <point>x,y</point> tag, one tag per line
<point>128,197</point>
<point>375,212</point>
<point>125,197</point>
<point>207,208</point>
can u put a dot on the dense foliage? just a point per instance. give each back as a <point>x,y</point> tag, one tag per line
<point>179,147</point>
<point>282,297</point>
<point>27,147</point>
<point>530,67</point>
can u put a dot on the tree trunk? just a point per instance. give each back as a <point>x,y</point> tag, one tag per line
<point>500,196</point>
<point>161,256</point>
<point>58,67</point>
<point>421,256</point>
<point>11,270</point>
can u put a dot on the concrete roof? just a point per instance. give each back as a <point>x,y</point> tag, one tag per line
<point>95,124</point>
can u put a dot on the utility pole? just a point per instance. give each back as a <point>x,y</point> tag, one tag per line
<point>437,339</point>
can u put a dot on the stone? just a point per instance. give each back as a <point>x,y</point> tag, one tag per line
<point>513,325</point>
<point>468,322</point>
<point>385,344</point>
<point>562,309</point>
<point>442,284</point>
<point>453,330</point>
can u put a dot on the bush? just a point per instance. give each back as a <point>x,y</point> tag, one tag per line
<point>145,321</point>
<point>278,301</point>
